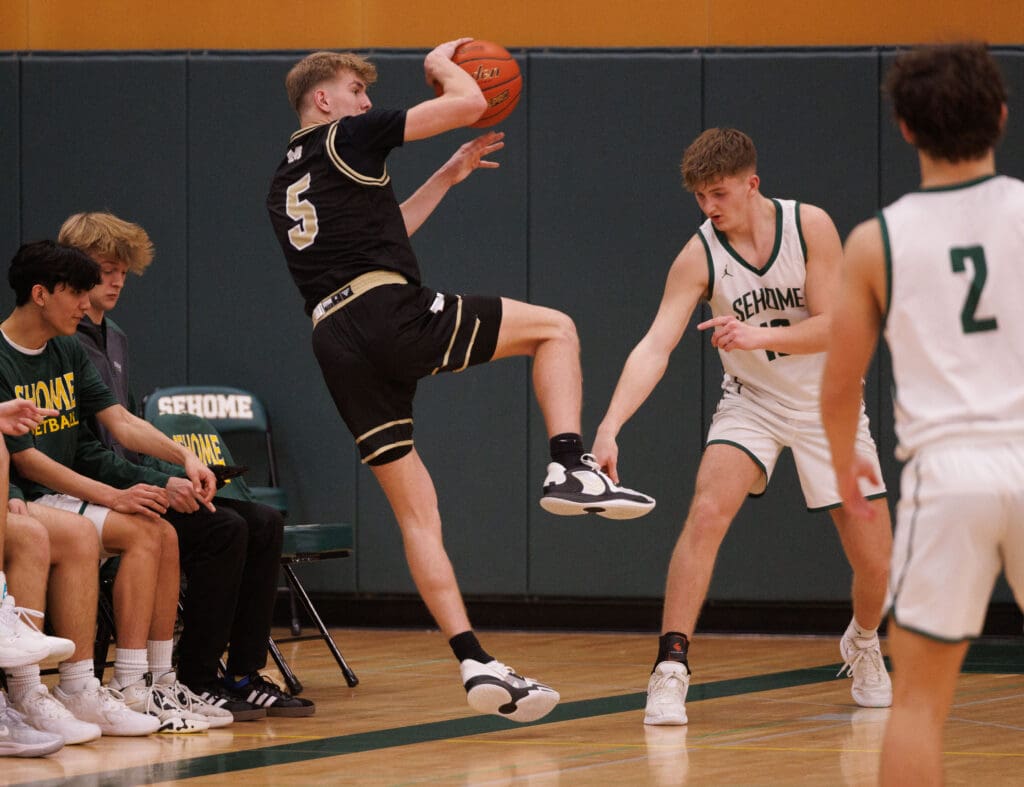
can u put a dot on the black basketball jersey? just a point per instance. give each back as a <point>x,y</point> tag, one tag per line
<point>333,208</point>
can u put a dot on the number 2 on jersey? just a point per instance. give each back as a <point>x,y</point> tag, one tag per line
<point>968,320</point>
<point>302,211</point>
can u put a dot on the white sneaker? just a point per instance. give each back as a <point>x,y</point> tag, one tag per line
<point>18,739</point>
<point>16,650</point>
<point>871,687</point>
<point>666,694</point>
<point>58,648</point>
<point>588,490</point>
<point>106,708</point>
<point>45,713</point>
<point>192,704</point>
<point>495,688</point>
<point>144,696</point>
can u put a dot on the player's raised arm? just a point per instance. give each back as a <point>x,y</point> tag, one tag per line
<point>466,159</point>
<point>460,104</point>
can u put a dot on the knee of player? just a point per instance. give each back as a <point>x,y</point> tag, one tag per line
<point>145,539</point>
<point>168,541</point>
<point>79,542</point>
<point>565,329</point>
<point>707,519</point>
<point>27,542</point>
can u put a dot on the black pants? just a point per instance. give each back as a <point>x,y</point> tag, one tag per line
<point>231,559</point>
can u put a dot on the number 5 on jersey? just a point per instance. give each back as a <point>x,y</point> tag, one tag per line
<point>302,211</point>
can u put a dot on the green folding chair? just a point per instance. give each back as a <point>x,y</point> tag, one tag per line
<point>202,414</point>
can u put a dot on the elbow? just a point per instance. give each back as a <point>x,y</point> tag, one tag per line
<point>475,106</point>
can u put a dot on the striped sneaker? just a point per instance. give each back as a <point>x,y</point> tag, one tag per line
<point>264,693</point>
<point>217,696</point>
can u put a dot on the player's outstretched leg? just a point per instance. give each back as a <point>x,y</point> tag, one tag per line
<point>495,688</point>
<point>588,490</point>
<point>862,657</point>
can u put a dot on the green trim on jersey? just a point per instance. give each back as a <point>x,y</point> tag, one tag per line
<point>956,186</point>
<point>775,249</point>
<point>711,265</point>
<point>834,506</point>
<point>887,249</point>
<point>800,231</point>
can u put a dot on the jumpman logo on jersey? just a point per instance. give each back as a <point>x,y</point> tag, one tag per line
<point>726,272</point>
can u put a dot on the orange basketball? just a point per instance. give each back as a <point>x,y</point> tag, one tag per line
<point>497,74</point>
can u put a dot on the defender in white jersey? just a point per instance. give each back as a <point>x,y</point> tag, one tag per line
<point>769,269</point>
<point>941,269</point>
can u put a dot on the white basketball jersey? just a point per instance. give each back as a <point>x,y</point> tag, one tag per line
<point>955,321</point>
<point>770,296</point>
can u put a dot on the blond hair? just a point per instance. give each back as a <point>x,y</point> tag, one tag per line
<point>321,67</point>
<point>109,237</point>
<point>717,153</point>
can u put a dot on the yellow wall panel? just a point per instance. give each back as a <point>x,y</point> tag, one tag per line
<point>868,22</point>
<point>195,24</point>
<point>358,24</point>
<point>14,24</point>
<point>540,23</point>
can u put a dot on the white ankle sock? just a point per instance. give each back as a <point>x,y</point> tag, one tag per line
<point>21,679</point>
<point>130,665</point>
<point>159,653</point>
<point>75,674</point>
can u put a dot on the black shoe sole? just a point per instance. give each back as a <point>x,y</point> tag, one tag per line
<point>307,710</point>
<point>250,715</point>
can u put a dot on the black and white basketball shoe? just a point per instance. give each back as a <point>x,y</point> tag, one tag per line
<point>588,490</point>
<point>495,688</point>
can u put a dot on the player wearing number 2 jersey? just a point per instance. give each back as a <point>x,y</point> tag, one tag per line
<point>378,330</point>
<point>769,269</point>
<point>941,270</point>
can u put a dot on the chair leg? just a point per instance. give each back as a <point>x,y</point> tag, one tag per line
<point>296,623</point>
<point>293,683</point>
<point>293,581</point>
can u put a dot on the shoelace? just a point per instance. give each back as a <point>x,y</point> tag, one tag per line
<point>663,685</point>
<point>9,616</point>
<point>47,704</point>
<point>187,699</point>
<point>267,686</point>
<point>591,462</point>
<point>872,660</point>
<point>162,699</point>
<point>110,699</point>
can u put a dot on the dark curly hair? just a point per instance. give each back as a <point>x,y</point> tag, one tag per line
<point>951,98</point>
<point>50,264</point>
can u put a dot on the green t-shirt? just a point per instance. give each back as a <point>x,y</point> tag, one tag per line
<point>59,376</point>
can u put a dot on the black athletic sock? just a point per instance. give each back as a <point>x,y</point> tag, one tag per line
<point>465,646</point>
<point>566,449</point>
<point>673,646</point>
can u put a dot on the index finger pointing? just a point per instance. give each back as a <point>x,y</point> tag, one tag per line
<point>714,322</point>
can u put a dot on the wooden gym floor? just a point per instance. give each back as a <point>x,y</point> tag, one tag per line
<point>763,710</point>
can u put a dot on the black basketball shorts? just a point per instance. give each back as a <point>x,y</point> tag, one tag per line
<point>373,351</point>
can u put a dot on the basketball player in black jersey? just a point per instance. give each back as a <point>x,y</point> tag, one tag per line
<point>377,329</point>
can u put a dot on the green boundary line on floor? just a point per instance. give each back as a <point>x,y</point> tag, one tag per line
<point>989,657</point>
